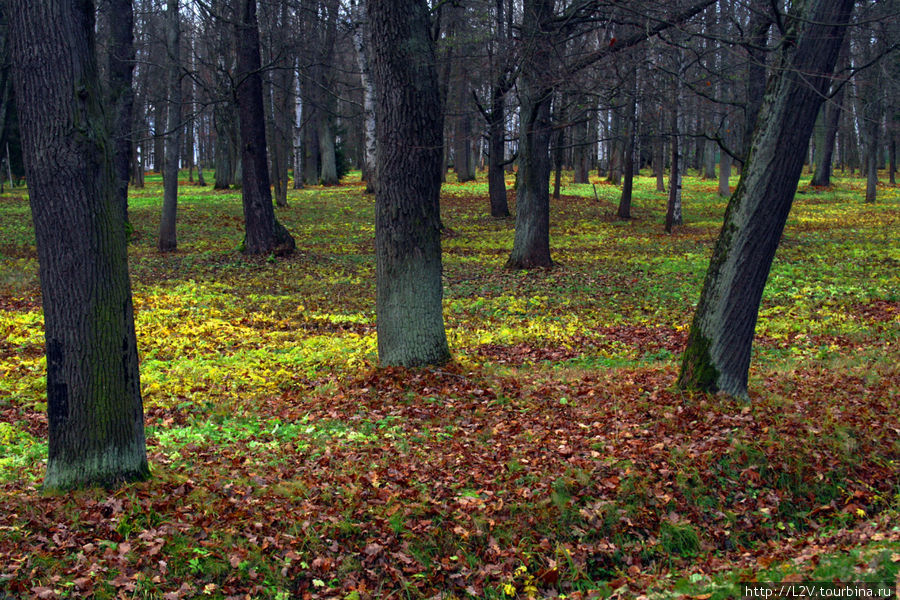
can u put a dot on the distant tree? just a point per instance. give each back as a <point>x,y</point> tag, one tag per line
<point>95,413</point>
<point>167,226</point>
<point>717,356</point>
<point>409,125</point>
<point>263,233</point>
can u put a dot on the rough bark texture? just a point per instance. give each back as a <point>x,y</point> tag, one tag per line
<point>95,414</point>
<point>531,245</point>
<point>407,212</point>
<point>717,356</point>
<point>167,232</point>
<point>262,233</point>
<point>121,94</point>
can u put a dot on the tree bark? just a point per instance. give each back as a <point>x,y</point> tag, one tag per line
<point>724,174</point>
<point>624,211</point>
<point>409,161</point>
<point>760,22</point>
<point>364,59</point>
<point>167,225</point>
<point>497,149</point>
<point>832,119</point>
<point>717,356</point>
<point>95,413</point>
<point>531,244</point>
<point>263,234</point>
<point>121,72</point>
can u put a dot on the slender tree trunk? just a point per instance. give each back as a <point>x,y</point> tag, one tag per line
<point>167,232</point>
<point>407,212</point>
<point>724,174</point>
<point>496,133</point>
<point>263,234</point>
<point>363,59</point>
<point>121,72</point>
<point>673,208</point>
<point>94,408</point>
<point>831,120</point>
<point>298,138</point>
<point>873,148</point>
<point>624,211</point>
<point>892,152</point>
<point>717,356</point>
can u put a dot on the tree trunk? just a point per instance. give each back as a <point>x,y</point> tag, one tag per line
<point>496,134</point>
<point>624,211</point>
<point>717,356</point>
<point>873,147</point>
<point>760,22</point>
<point>225,148</point>
<point>407,212</point>
<point>363,59</point>
<point>892,153</point>
<point>167,233</point>
<point>831,120</point>
<point>724,174</point>
<point>531,244</point>
<point>673,208</point>
<point>263,234</point>
<point>94,408</point>
<point>121,72</point>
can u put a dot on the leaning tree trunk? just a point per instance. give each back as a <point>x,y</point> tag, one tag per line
<point>262,233</point>
<point>531,244</point>
<point>94,409</point>
<point>717,356</point>
<point>167,232</point>
<point>121,73</point>
<point>409,161</point>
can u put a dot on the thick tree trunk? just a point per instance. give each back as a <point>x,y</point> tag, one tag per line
<point>263,234</point>
<point>531,244</point>
<point>167,232</point>
<point>717,356</point>
<point>95,414</point>
<point>407,212</point>
<point>121,71</point>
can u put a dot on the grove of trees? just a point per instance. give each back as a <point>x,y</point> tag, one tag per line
<point>265,91</point>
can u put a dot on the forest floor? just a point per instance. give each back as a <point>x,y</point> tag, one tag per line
<point>553,458</point>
